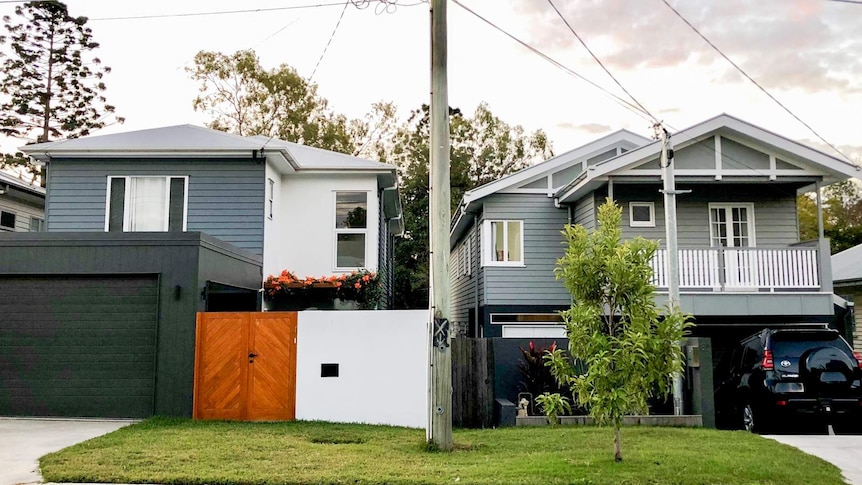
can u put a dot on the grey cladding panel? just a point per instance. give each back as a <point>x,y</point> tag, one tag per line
<point>700,155</point>
<point>534,283</point>
<point>225,196</point>
<point>735,156</point>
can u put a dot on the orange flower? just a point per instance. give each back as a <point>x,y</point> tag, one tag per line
<point>366,278</point>
<point>357,285</point>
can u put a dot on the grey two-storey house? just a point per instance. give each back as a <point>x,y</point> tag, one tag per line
<point>742,265</point>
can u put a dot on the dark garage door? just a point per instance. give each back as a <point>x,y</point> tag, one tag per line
<point>78,346</point>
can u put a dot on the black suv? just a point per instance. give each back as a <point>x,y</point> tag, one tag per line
<point>787,377</point>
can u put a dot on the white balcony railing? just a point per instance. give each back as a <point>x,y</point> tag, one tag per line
<point>741,269</point>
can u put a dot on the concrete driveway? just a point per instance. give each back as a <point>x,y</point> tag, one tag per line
<point>842,451</point>
<point>23,441</point>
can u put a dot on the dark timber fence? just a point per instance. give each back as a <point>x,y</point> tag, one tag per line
<point>472,383</point>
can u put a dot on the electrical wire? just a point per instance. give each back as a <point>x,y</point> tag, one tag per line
<point>624,103</point>
<point>599,62</point>
<point>331,36</point>
<point>741,71</point>
<point>358,4</point>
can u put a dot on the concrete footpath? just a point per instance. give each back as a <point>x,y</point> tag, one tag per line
<point>24,440</point>
<point>843,451</point>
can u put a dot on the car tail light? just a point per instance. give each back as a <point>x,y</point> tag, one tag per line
<point>858,358</point>
<point>781,403</point>
<point>767,362</point>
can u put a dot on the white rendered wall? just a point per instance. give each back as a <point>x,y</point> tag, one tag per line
<point>382,359</point>
<point>301,235</point>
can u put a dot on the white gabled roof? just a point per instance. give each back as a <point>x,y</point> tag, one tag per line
<point>834,168</point>
<point>847,266</point>
<point>8,179</point>
<point>312,158</point>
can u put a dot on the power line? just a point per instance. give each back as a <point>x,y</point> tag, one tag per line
<point>560,14</point>
<point>624,103</point>
<point>855,2</point>
<point>331,36</point>
<point>741,71</point>
<point>388,3</point>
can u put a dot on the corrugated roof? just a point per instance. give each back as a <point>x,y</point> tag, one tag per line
<point>847,265</point>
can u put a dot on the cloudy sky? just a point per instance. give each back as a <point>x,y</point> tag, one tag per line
<point>806,53</point>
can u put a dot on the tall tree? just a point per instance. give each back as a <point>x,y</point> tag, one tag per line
<point>483,149</point>
<point>626,348</point>
<point>243,97</point>
<point>842,215</point>
<point>51,81</point>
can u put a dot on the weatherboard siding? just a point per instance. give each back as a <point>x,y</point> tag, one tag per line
<point>775,220</point>
<point>225,196</point>
<point>463,285</point>
<point>533,283</point>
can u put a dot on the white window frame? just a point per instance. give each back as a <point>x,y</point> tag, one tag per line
<point>127,199</point>
<point>344,230</point>
<point>488,239</point>
<point>40,221</point>
<point>270,195</point>
<point>650,222</point>
<point>729,206</point>
<point>466,254</point>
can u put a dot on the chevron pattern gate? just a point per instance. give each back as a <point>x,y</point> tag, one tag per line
<point>245,366</point>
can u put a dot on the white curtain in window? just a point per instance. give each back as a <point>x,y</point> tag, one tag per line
<point>147,204</point>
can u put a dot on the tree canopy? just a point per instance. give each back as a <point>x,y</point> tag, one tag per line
<point>52,84</point>
<point>243,97</point>
<point>842,215</point>
<point>626,348</point>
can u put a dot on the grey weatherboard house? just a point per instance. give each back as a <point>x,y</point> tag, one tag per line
<point>22,205</point>
<point>742,264</point>
<point>847,279</point>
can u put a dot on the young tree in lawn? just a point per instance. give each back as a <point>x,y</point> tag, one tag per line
<point>626,348</point>
<point>51,82</point>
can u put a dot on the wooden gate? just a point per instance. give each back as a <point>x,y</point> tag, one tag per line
<point>245,366</point>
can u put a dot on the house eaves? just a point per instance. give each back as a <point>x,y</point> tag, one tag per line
<point>7,180</point>
<point>834,169</point>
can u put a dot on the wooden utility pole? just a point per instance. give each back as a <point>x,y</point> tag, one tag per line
<point>439,431</point>
<point>669,191</point>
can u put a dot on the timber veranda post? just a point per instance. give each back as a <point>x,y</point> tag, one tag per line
<point>439,430</point>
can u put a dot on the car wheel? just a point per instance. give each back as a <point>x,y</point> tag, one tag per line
<point>748,422</point>
<point>751,421</point>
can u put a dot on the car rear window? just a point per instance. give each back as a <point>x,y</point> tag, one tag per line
<point>788,347</point>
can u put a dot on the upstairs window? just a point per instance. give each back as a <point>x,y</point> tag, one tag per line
<point>731,225</point>
<point>270,187</point>
<point>504,243</point>
<point>351,228</point>
<point>7,220</point>
<point>146,204</point>
<point>37,224</point>
<point>641,214</point>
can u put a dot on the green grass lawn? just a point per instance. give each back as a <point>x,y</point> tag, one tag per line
<point>179,451</point>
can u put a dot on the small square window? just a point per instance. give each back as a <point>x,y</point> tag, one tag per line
<point>7,220</point>
<point>642,214</point>
<point>37,224</point>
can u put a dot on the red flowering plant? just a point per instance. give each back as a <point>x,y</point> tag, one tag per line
<point>363,287</point>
